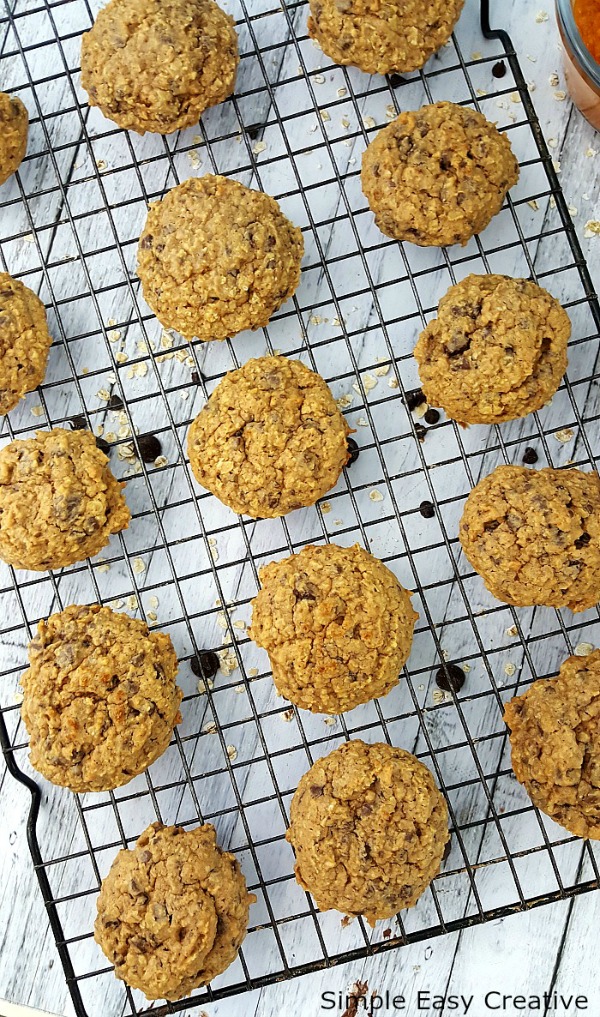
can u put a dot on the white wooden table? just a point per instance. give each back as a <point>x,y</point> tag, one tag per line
<point>551,948</point>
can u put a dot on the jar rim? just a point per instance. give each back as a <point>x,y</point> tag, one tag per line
<point>564,10</point>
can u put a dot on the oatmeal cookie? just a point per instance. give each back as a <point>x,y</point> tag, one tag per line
<point>270,439</point>
<point>496,351</point>
<point>337,626</point>
<point>99,698</point>
<point>59,502</point>
<point>14,125</point>
<point>24,341</point>
<point>437,176</point>
<point>368,827</point>
<point>172,912</point>
<point>216,258</point>
<point>555,743</point>
<point>534,536</point>
<point>382,36</point>
<point>157,65</point>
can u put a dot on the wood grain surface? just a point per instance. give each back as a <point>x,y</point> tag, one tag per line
<point>69,224</point>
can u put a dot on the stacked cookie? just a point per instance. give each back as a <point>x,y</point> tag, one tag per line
<point>368,824</point>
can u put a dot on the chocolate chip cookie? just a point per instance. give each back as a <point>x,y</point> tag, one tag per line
<point>534,536</point>
<point>437,175</point>
<point>270,439</point>
<point>216,258</point>
<point>369,827</point>
<point>496,351</point>
<point>382,36</point>
<point>337,626</point>
<point>157,65</point>
<point>99,698</point>
<point>555,742</point>
<point>14,126</point>
<point>24,341</point>
<point>59,502</point>
<point>172,912</point>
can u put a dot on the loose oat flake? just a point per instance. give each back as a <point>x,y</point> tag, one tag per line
<point>375,495</point>
<point>565,435</point>
<point>584,649</point>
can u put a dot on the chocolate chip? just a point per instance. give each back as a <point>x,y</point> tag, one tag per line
<point>414,398</point>
<point>492,525</point>
<point>115,403</point>
<point>354,451</point>
<point>146,242</point>
<point>427,510</point>
<point>205,664</point>
<point>530,455</point>
<point>316,790</point>
<point>386,933</point>
<point>582,541</point>
<point>78,422</point>
<point>103,445</point>
<point>421,432</point>
<point>431,417</point>
<point>253,131</point>
<point>396,80</point>
<point>150,447</point>
<point>450,678</point>
<point>499,69</point>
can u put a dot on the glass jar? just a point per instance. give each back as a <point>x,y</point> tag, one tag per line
<point>582,73</point>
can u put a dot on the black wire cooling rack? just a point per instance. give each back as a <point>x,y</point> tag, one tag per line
<point>296,127</point>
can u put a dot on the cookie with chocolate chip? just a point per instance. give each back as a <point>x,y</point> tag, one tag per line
<point>368,826</point>
<point>438,175</point>
<point>534,536</point>
<point>270,438</point>
<point>24,341</point>
<point>496,351</point>
<point>173,911</point>
<point>99,697</point>
<point>14,126</point>
<point>382,36</point>
<point>337,626</point>
<point>157,65</point>
<point>59,502</point>
<point>216,258</point>
<point>555,743</point>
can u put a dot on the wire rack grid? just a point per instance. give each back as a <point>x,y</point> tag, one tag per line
<point>296,127</point>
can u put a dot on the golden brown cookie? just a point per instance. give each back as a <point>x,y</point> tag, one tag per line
<point>172,912</point>
<point>534,536</point>
<point>555,742</point>
<point>270,438</point>
<point>216,258</point>
<point>369,827</point>
<point>24,341</point>
<point>59,502</point>
<point>156,65</point>
<point>14,125</point>
<point>382,36</point>
<point>100,700</point>
<point>438,175</point>
<point>337,626</point>
<point>496,351</point>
